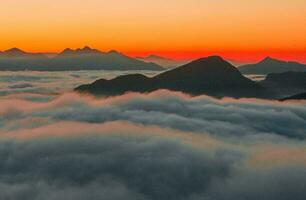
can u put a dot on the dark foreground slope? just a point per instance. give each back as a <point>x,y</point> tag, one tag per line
<point>270,65</point>
<point>296,97</point>
<point>285,84</point>
<point>69,60</point>
<point>212,76</point>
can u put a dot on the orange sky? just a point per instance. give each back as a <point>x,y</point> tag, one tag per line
<point>237,29</point>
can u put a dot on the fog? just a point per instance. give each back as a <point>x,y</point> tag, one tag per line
<point>160,145</point>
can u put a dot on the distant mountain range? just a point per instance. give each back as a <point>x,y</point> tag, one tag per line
<point>79,59</point>
<point>164,62</point>
<point>270,65</point>
<point>212,76</point>
<point>92,59</point>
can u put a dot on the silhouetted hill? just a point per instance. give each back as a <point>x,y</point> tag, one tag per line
<point>14,52</point>
<point>211,75</point>
<point>285,84</point>
<point>287,79</point>
<point>92,59</point>
<point>15,59</point>
<point>301,96</point>
<point>270,65</point>
<point>164,62</point>
<point>118,85</point>
<point>79,59</point>
<point>79,52</point>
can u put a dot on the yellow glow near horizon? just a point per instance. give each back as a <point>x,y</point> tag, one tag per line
<point>154,25</point>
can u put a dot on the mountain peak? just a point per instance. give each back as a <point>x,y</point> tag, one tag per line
<point>14,52</point>
<point>208,64</point>
<point>84,50</point>
<point>269,59</point>
<point>215,58</point>
<point>271,65</point>
<point>210,59</point>
<point>87,49</point>
<point>114,52</point>
<point>212,66</point>
<point>67,51</point>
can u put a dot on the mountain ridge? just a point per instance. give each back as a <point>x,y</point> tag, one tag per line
<point>162,61</point>
<point>79,59</point>
<point>285,84</point>
<point>271,65</point>
<point>211,75</point>
<point>300,96</point>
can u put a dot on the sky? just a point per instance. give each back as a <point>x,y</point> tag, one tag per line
<point>236,29</point>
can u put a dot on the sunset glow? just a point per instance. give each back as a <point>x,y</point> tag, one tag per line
<point>152,99</point>
<point>237,29</point>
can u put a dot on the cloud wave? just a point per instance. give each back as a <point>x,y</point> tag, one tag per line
<point>162,145</point>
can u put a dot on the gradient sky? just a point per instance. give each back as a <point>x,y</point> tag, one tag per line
<point>237,29</point>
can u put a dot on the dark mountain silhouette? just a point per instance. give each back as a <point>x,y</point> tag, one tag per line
<point>287,79</point>
<point>92,59</point>
<point>79,59</point>
<point>212,75</point>
<point>165,62</point>
<point>15,59</point>
<point>14,52</point>
<point>301,96</point>
<point>285,84</point>
<point>270,65</point>
<point>79,52</point>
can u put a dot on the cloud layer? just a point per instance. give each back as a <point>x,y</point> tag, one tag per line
<point>225,117</point>
<point>162,145</point>
<point>53,82</point>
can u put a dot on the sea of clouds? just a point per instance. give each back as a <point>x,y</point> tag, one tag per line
<point>49,83</point>
<point>162,145</point>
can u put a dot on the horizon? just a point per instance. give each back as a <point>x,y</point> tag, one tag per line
<point>247,59</point>
<point>238,30</point>
<point>153,99</point>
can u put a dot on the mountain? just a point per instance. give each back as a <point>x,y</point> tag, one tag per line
<point>270,65</point>
<point>92,59</point>
<point>15,59</point>
<point>80,59</point>
<point>287,79</point>
<point>285,84</point>
<point>212,75</point>
<point>13,52</point>
<point>165,62</point>
<point>79,52</point>
<point>301,96</point>
<point>17,53</point>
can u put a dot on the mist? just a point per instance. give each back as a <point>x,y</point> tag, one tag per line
<point>160,145</point>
